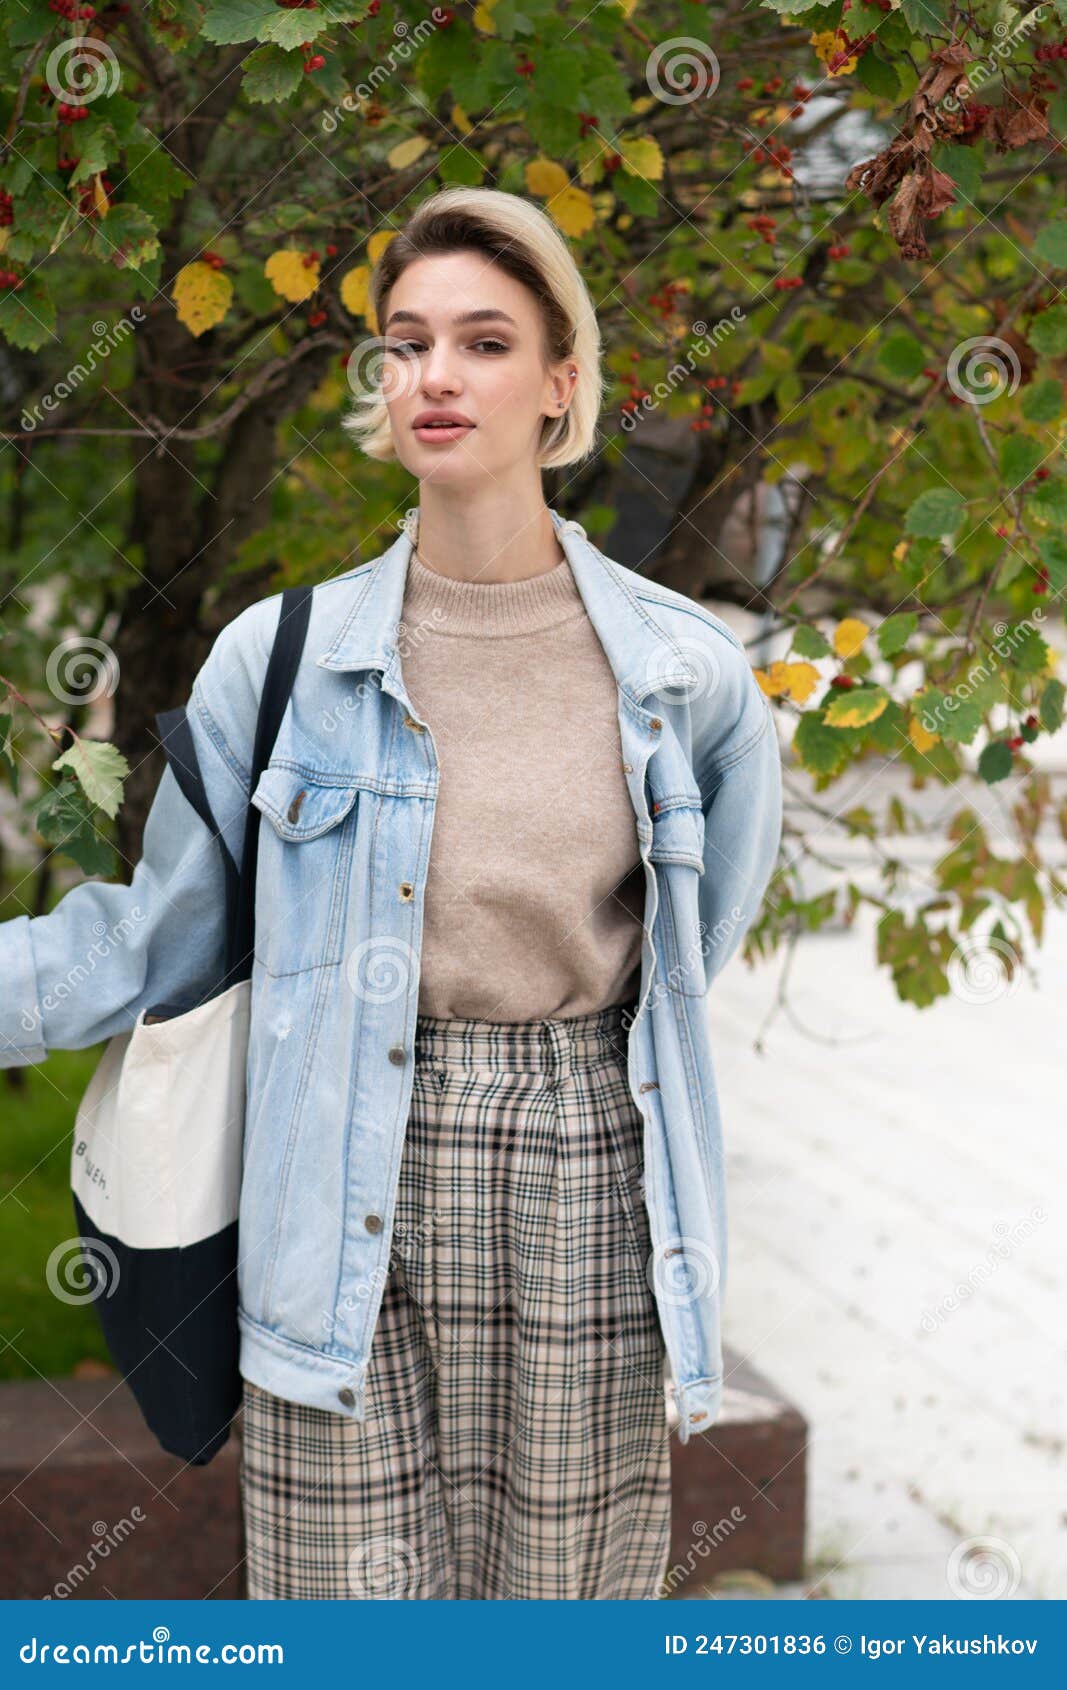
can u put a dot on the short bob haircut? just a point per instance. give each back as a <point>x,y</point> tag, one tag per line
<point>522,239</point>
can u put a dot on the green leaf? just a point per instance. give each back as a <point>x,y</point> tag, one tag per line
<point>965,166</point>
<point>878,76</point>
<point>821,750</point>
<point>1043,401</point>
<point>995,761</point>
<point>1049,499</point>
<point>1050,709</point>
<point>28,315</point>
<point>936,512</point>
<point>101,770</point>
<point>1048,331</point>
<point>855,707</point>
<point>1019,457</point>
<point>229,21</point>
<point>808,642</point>
<point>902,356</point>
<point>955,719</point>
<point>1053,553</point>
<point>271,74</point>
<point>64,819</point>
<point>6,753</point>
<point>1051,242</point>
<point>895,632</point>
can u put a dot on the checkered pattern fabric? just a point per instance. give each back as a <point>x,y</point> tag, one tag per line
<point>516,1444</point>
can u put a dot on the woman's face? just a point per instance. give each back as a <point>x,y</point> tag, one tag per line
<point>464,337</point>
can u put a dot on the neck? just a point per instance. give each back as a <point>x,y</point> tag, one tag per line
<point>492,538</point>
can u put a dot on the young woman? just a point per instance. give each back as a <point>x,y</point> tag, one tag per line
<point>501,859</point>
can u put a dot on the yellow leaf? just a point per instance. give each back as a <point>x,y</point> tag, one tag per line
<point>803,678</point>
<point>920,737</point>
<point>626,7</point>
<point>849,635</point>
<point>483,17</point>
<point>378,243</point>
<point>795,680</point>
<point>573,211</point>
<point>406,152</point>
<point>846,711</point>
<point>290,276</point>
<point>100,199</point>
<point>645,103</point>
<point>460,121</point>
<point>202,295</point>
<point>900,550</point>
<point>4,233</point>
<point>545,178</point>
<point>355,290</point>
<point>642,157</point>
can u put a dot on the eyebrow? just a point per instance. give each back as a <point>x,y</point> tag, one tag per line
<point>485,314</point>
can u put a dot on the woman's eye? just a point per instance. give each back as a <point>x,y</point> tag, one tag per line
<point>402,348</point>
<point>494,345</point>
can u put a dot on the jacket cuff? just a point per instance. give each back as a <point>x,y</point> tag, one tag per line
<point>20,1013</point>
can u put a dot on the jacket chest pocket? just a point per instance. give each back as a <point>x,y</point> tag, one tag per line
<point>304,868</point>
<point>675,841</point>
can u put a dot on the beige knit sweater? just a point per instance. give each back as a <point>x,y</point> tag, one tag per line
<point>535,890</point>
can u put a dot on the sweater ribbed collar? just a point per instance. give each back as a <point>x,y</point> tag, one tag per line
<point>490,608</point>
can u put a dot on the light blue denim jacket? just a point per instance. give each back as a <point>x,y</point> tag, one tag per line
<point>348,801</point>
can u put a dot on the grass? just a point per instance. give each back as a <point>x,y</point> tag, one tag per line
<point>39,1332</point>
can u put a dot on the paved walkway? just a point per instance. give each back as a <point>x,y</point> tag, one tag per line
<point>898,1261</point>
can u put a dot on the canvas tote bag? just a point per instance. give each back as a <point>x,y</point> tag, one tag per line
<point>158,1140</point>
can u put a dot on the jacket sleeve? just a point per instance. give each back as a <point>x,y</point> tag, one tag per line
<point>107,950</point>
<point>739,772</point>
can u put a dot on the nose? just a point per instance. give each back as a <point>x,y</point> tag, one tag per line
<point>439,372</point>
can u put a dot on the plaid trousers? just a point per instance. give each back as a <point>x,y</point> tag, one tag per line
<point>516,1444</point>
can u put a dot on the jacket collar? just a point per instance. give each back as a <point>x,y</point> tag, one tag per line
<point>642,654</point>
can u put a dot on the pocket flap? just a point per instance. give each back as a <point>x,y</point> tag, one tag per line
<point>300,806</point>
<point>678,835</point>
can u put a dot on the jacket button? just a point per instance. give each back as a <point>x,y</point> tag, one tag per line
<point>294,808</point>
<point>347,1397</point>
<point>655,724</point>
<point>373,1223</point>
<point>397,1054</point>
<point>407,891</point>
<point>410,722</point>
<point>701,1416</point>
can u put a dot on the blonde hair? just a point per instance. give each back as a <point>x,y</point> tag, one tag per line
<point>522,239</point>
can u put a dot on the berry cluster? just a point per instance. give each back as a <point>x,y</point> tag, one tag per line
<point>783,284</point>
<point>67,113</point>
<point>9,279</point>
<point>763,224</point>
<point>7,210</point>
<point>1054,50</point>
<point>70,10</point>
<point>840,249</point>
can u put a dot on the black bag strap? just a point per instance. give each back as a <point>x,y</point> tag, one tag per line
<point>277,686</point>
<point>179,748</point>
